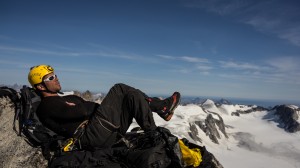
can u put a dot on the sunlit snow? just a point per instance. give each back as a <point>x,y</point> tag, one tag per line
<point>253,141</point>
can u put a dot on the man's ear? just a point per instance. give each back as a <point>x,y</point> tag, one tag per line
<point>40,87</point>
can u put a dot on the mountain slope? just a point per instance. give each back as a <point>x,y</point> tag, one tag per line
<point>237,135</point>
<point>253,140</point>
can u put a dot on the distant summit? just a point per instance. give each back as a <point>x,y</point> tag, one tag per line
<point>14,86</point>
<point>223,101</point>
<point>199,100</point>
<point>196,100</point>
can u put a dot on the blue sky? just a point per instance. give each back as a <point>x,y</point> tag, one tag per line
<point>220,48</point>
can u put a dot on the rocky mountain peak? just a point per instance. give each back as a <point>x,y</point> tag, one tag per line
<point>289,116</point>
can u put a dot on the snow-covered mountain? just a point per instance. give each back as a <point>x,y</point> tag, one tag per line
<point>241,136</point>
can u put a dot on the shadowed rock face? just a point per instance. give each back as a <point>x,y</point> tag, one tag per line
<point>194,134</point>
<point>255,109</point>
<point>289,117</point>
<point>211,127</point>
<point>14,151</point>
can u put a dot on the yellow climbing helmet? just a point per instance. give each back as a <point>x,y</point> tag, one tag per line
<point>37,73</point>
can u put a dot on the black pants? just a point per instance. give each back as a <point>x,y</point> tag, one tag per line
<point>115,114</point>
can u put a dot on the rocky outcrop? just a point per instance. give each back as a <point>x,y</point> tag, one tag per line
<point>289,117</point>
<point>235,114</point>
<point>253,109</point>
<point>194,134</point>
<point>14,151</point>
<point>211,127</point>
<point>89,96</point>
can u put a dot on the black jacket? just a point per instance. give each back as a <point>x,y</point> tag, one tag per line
<point>63,114</point>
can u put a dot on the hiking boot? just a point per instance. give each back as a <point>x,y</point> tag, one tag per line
<point>165,108</point>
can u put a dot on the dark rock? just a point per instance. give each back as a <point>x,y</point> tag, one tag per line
<point>209,160</point>
<point>209,126</point>
<point>194,133</point>
<point>288,116</point>
<point>253,109</point>
<point>235,114</point>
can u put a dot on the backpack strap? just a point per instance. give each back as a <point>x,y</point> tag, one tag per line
<point>26,107</point>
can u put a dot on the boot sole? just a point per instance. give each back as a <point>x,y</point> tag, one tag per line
<point>173,107</point>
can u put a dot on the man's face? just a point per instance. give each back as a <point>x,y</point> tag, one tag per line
<point>52,83</point>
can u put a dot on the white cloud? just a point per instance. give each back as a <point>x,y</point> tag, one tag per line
<point>110,54</point>
<point>184,71</point>
<point>262,23</point>
<point>167,57</point>
<point>193,59</point>
<point>195,65</point>
<point>204,67</point>
<point>184,58</point>
<point>280,18</point>
<point>14,63</point>
<point>37,51</point>
<point>291,34</point>
<point>278,26</point>
<point>285,64</point>
<point>241,66</point>
<point>284,70</point>
<point>221,7</point>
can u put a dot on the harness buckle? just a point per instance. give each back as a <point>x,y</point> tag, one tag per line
<point>68,145</point>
